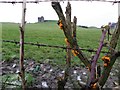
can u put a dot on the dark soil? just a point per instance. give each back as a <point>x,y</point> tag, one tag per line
<point>46,75</point>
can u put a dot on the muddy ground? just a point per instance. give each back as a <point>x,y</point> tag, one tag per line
<point>46,75</point>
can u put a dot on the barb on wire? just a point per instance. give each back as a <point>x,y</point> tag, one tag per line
<point>52,46</point>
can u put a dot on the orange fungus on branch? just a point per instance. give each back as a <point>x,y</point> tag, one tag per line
<point>66,40</point>
<point>60,24</point>
<point>75,52</point>
<point>94,85</point>
<point>106,60</point>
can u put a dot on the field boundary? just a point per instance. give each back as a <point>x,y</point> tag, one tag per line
<point>51,46</point>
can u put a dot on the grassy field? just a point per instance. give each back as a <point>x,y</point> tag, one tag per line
<point>46,33</point>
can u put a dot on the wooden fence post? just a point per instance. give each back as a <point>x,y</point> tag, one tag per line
<point>22,29</point>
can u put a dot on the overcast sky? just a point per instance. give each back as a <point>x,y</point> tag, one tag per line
<point>87,13</point>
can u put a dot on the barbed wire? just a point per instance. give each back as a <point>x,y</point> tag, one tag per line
<point>52,46</point>
<point>37,1</point>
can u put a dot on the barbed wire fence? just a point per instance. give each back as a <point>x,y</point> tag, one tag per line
<point>50,46</point>
<point>22,29</point>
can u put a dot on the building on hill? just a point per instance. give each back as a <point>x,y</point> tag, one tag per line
<point>40,19</point>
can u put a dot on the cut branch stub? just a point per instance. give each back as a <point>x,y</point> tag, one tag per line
<point>68,15</point>
<point>74,28</point>
<point>56,6</point>
<point>58,9</point>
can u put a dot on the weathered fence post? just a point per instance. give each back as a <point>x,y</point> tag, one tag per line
<point>22,29</point>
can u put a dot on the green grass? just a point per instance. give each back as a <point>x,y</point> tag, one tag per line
<point>46,33</point>
<point>15,79</point>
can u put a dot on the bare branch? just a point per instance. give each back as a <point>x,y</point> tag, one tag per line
<point>74,28</point>
<point>113,55</point>
<point>68,22</point>
<point>56,6</point>
<point>94,61</point>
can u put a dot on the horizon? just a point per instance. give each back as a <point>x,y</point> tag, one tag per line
<point>55,21</point>
<point>95,14</point>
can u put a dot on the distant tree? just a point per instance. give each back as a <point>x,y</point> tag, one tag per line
<point>83,26</point>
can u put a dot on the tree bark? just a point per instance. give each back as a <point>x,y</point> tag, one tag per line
<point>74,28</point>
<point>73,43</point>
<point>113,55</point>
<point>56,6</point>
<point>68,22</point>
